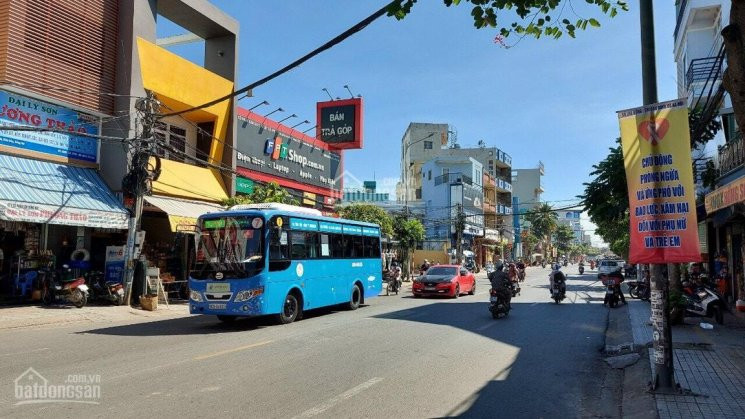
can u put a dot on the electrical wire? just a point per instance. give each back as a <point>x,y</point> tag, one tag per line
<point>336,40</point>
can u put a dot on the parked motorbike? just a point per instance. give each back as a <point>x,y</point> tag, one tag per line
<point>497,306</point>
<point>639,290</point>
<point>393,281</point>
<point>705,301</point>
<point>64,287</point>
<point>107,291</point>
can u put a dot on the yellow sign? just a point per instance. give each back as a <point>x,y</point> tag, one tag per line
<point>725,196</point>
<point>279,222</point>
<point>181,224</point>
<point>659,177</point>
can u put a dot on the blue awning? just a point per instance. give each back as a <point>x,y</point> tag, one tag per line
<point>42,192</point>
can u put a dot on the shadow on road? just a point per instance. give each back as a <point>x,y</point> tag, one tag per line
<point>200,325</point>
<point>557,369</point>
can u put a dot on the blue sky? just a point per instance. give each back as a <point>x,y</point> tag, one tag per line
<point>543,99</point>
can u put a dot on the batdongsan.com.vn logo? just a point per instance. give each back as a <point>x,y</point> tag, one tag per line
<point>31,388</point>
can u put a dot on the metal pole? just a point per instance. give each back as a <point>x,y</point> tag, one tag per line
<point>664,379</point>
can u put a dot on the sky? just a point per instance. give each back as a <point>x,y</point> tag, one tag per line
<point>545,99</point>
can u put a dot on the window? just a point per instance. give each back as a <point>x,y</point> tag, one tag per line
<point>325,246</point>
<point>445,171</point>
<point>355,247</point>
<point>428,145</point>
<point>372,247</point>
<point>304,245</point>
<point>429,175</point>
<point>337,245</point>
<point>171,141</point>
<point>279,251</point>
<point>418,193</point>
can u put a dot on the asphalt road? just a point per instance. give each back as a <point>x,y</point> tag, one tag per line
<point>396,357</point>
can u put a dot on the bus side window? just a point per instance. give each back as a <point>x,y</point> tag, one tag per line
<point>325,246</point>
<point>298,243</point>
<point>278,251</point>
<point>357,246</point>
<point>337,246</point>
<point>372,247</point>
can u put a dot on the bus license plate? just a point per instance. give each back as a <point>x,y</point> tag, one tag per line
<point>218,287</point>
<point>218,306</point>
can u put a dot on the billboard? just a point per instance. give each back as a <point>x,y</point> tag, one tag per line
<point>659,176</point>
<point>64,147</point>
<point>339,123</point>
<point>260,148</point>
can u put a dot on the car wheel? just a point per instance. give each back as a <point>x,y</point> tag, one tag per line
<point>290,310</point>
<point>457,291</point>
<point>473,289</point>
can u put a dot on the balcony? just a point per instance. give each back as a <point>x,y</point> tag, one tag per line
<point>503,186</point>
<point>489,182</point>
<point>490,207</point>
<point>731,157</point>
<point>703,70</point>
<point>504,210</point>
<point>503,159</point>
<point>453,178</point>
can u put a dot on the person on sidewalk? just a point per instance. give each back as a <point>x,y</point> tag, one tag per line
<point>722,280</point>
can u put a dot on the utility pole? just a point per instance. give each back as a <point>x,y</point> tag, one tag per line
<point>138,182</point>
<point>664,380</point>
<point>460,225</point>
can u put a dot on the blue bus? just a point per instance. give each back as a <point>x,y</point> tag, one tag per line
<point>280,260</point>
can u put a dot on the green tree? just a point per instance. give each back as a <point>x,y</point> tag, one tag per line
<point>543,221</point>
<point>606,201</point>
<point>529,241</point>
<point>271,192</point>
<point>408,232</point>
<point>368,213</point>
<point>536,17</point>
<point>563,238</point>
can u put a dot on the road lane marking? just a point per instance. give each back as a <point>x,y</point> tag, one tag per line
<point>317,410</point>
<point>230,351</point>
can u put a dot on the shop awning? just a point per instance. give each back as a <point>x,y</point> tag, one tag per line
<point>42,192</point>
<point>182,213</point>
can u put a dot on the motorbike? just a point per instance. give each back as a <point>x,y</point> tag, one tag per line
<point>558,288</point>
<point>515,287</point>
<point>581,269</point>
<point>393,281</point>
<point>705,301</point>
<point>543,265</point>
<point>64,287</point>
<point>639,290</point>
<point>497,307</point>
<point>521,274</point>
<point>101,290</point>
<point>612,290</point>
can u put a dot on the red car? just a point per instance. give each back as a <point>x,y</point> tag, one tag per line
<point>450,280</point>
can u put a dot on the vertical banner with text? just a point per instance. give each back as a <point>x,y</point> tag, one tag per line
<point>659,175</point>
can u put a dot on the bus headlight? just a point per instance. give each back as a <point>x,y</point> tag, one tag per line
<point>195,296</point>
<point>248,294</point>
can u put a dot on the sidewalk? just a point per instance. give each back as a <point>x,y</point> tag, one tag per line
<point>25,316</point>
<point>708,363</point>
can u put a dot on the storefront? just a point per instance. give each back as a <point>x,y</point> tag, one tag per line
<point>268,151</point>
<point>725,209</point>
<point>50,210</point>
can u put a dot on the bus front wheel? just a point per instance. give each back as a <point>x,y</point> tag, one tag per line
<point>290,310</point>
<point>355,299</point>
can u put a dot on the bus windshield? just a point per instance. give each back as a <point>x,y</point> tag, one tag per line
<point>231,246</point>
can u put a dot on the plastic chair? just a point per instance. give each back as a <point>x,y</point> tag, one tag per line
<point>25,282</point>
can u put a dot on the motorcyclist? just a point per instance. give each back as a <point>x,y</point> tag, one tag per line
<point>424,267</point>
<point>555,275</point>
<point>500,282</point>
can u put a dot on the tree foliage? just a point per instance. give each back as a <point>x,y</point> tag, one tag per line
<point>408,232</point>
<point>606,201</point>
<point>534,18</point>
<point>563,238</point>
<point>271,192</point>
<point>370,214</point>
<point>543,220</point>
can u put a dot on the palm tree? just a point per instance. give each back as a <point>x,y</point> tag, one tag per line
<point>543,221</point>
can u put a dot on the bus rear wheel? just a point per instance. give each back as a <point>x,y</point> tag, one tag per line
<point>290,310</point>
<point>355,299</point>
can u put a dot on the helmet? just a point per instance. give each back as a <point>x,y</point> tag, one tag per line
<point>498,266</point>
<point>556,267</point>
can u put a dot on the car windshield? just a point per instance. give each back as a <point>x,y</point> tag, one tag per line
<point>441,270</point>
<point>610,264</point>
<point>232,246</point>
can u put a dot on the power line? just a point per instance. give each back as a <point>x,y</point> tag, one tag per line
<point>336,40</point>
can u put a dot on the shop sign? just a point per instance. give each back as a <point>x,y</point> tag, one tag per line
<point>65,146</point>
<point>264,150</point>
<point>657,157</point>
<point>114,263</point>
<point>339,123</point>
<point>53,214</point>
<point>725,196</point>
<point>243,185</point>
<point>329,201</point>
<point>309,199</point>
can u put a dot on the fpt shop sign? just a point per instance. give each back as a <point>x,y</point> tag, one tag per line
<point>340,123</point>
<point>69,140</point>
<point>264,150</point>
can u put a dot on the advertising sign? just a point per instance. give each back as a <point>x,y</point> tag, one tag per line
<point>114,263</point>
<point>473,207</point>
<point>243,185</point>
<point>725,196</point>
<point>339,123</point>
<point>267,151</point>
<point>66,147</point>
<point>659,175</point>
<point>54,214</point>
